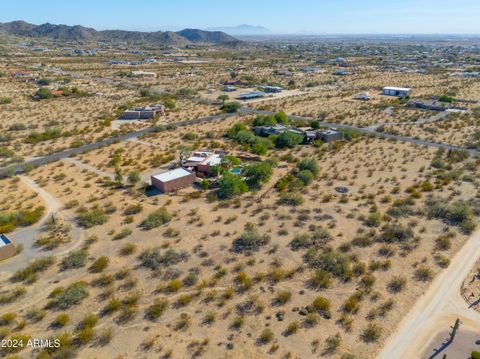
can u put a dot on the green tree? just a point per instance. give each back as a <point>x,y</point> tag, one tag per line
<point>309,164</point>
<point>134,177</point>
<point>231,185</point>
<point>44,93</point>
<point>169,103</point>
<point>231,107</point>
<point>288,139</point>
<point>281,117</point>
<point>223,98</point>
<point>205,184</point>
<point>258,173</point>
<point>118,175</point>
<point>315,125</point>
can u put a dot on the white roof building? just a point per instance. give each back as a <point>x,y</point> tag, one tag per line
<point>172,175</point>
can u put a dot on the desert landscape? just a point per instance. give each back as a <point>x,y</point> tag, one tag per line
<point>221,198</point>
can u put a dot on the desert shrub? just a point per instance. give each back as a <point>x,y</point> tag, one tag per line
<point>250,240</point>
<point>156,219</point>
<point>423,274</point>
<point>457,214</point>
<point>395,233</point>
<point>397,284</point>
<point>333,261</point>
<point>306,177</point>
<point>292,328</point>
<point>99,265</point>
<point>9,220</point>
<point>73,260</point>
<point>322,306</point>
<point>153,258</point>
<point>332,343</point>
<point>443,243</point>
<point>475,355</point>
<point>35,315</point>
<point>10,296</point>
<point>291,199</point>
<point>282,297</point>
<point>124,233</point>
<point>310,320</point>
<point>320,280</point>
<point>308,164</point>
<point>133,209</point>
<point>128,249</point>
<point>155,311</point>
<point>74,294</point>
<point>90,218</point>
<point>29,274</point>
<point>266,336</point>
<point>371,333</point>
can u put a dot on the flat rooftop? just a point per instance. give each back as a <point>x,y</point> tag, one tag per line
<point>172,175</point>
<point>397,88</point>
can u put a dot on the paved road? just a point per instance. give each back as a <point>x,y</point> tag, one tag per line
<point>372,132</point>
<point>437,309</point>
<point>19,168</point>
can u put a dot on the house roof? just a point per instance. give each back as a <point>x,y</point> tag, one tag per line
<point>172,175</point>
<point>392,88</point>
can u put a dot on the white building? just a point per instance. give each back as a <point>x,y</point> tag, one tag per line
<point>397,91</point>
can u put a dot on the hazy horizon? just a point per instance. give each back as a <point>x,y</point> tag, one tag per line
<point>344,17</point>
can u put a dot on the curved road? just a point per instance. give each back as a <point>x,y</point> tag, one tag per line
<point>437,309</point>
<point>27,236</point>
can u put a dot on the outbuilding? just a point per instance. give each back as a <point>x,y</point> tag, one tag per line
<point>172,180</point>
<point>397,91</point>
<point>7,248</point>
<point>329,136</point>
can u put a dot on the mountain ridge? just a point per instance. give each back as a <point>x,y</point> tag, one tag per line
<point>81,33</point>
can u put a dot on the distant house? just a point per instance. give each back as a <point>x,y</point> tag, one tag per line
<point>276,130</point>
<point>270,89</point>
<point>20,73</point>
<point>342,73</point>
<point>397,91</point>
<point>202,162</point>
<point>229,88</point>
<point>172,180</point>
<point>7,248</point>
<point>309,70</point>
<point>143,113</point>
<point>57,93</point>
<point>250,95</point>
<point>432,105</point>
<point>235,82</point>
<point>329,136</point>
<point>144,74</point>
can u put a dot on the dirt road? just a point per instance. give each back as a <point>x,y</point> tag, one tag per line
<point>437,309</point>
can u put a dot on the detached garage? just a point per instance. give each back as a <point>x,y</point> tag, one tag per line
<point>172,180</point>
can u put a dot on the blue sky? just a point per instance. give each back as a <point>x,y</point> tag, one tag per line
<point>282,16</point>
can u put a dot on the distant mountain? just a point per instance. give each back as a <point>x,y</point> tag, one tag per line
<point>242,30</point>
<point>81,33</point>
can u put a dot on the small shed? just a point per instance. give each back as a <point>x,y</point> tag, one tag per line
<point>7,248</point>
<point>330,136</point>
<point>397,91</point>
<point>172,180</point>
